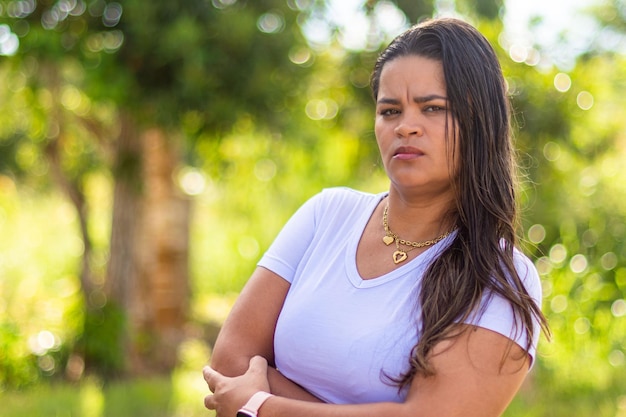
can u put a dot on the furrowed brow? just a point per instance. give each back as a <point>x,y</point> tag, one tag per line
<point>431,97</point>
<point>385,100</point>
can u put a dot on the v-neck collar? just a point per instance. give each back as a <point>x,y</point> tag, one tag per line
<point>421,261</point>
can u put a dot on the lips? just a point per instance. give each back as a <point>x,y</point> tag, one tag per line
<point>407,152</point>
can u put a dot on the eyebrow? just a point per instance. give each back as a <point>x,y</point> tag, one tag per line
<point>419,99</point>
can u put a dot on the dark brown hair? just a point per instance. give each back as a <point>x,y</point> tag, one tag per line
<point>479,261</point>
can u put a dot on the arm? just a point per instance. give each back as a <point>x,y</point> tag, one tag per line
<point>477,375</point>
<point>249,331</point>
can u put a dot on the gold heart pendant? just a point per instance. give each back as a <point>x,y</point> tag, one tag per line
<point>388,240</point>
<point>399,256</point>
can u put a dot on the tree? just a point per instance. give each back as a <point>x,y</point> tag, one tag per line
<point>568,129</point>
<point>138,86</point>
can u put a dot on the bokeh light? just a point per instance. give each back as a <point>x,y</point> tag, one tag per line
<point>552,151</point>
<point>222,4</point>
<point>578,263</point>
<point>562,82</point>
<point>616,358</point>
<point>582,325</point>
<point>558,253</point>
<point>317,109</point>
<point>265,169</point>
<point>248,247</point>
<point>112,14</point>
<point>618,308</point>
<point>558,304</point>
<point>9,42</point>
<point>608,260</point>
<point>270,23</point>
<point>584,100</point>
<point>536,233</point>
<point>301,56</point>
<point>191,180</point>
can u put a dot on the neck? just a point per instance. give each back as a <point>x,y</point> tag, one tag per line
<point>419,218</point>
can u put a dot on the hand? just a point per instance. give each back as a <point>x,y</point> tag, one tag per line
<point>230,394</point>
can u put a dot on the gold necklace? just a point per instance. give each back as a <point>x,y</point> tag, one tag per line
<point>401,255</point>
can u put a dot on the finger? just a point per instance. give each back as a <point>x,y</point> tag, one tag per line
<point>209,372</point>
<point>258,364</point>
<point>209,402</point>
<point>209,375</point>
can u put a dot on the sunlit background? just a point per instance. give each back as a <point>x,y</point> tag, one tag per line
<point>150,152</point>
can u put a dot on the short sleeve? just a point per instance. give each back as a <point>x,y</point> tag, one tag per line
<point>497,313</point>
<point>289,247</point>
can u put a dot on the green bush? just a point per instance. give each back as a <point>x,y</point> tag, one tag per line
<point>101,342</point>
<point>17,366</point>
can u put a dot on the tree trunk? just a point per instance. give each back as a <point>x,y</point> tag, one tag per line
<point>70,186</point>
<point>122,265</point>
<point>163,251</point>
<point>73,192</point>
<point>122,270</point>
<point>147,271</point>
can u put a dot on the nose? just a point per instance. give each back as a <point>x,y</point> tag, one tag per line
<point>409,126</point>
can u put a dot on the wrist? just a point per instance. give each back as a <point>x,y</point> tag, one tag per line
<point>251,408</point>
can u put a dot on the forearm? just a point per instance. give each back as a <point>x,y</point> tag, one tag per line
<point>284,387</point>
<point>234,364</point>
<point>285,407</point>
<point>245,335</point>
<point>279,384</point>
<point>230,362</point>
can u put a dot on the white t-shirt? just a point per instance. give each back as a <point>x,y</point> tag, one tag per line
<point>339,335</point>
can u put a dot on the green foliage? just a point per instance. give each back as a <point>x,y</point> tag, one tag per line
<point>569,132</point>
<point>17,367</point>
<point>178,395</point>
<point>142,398</point>
<point>101,340</point>
<point>481,9</point>
<point>537,400</point>
<point>269,122</point>
<point>40,309</point>
<point>92,75</point>
<point>415,10</point>
<point>260,182</point>
<point>183,55</point>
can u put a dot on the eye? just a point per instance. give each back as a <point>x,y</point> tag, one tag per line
<point>389,112</point>
<point>434,108</point>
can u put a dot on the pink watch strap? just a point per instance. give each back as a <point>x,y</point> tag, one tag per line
<point>255,402</point>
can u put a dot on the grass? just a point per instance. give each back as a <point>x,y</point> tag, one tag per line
<point>562,399</point>
<point>158,397</point>
<point>572,388</point>
<point>181,396</point>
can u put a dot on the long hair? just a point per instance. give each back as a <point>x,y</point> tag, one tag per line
<point>479,261</point>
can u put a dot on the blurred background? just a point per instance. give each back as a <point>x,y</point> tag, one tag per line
<point>150,152</point>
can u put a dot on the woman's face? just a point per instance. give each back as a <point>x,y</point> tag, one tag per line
<point>411,126</point>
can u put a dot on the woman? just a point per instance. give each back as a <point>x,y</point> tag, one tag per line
<point>410,302</point>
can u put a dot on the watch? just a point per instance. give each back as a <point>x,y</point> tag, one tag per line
<point>251,409</point>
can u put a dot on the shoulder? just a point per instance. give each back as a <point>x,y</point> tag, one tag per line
<point>332,206</point>
<point>341,199</point>
<point>528,273</point>
<point>346,194</point>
